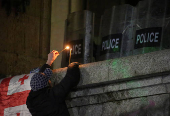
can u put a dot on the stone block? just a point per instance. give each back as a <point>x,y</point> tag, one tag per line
<point>116,96</point>
<point>106,97</point>
<point>78,102</point>
<point>109,109</point>
<point>144,82</point>
<point>166,79</point>
<point>147,91</point>
<point>93,99</point>
<point>125,67</point>
<point>87,92</point>
<point>168,88</point>
<point>74,111</point>
<point>94,72</point>
<point>78,93</point>
<point>137,93</point>
<point>132,93</point>
<point>139,65</point>
<point>132,84</point>
<point>94,91</point>
<point>92,110</point>
<point>152,105</point>
<point>161,105</point>
<point>117,87</point>
<point>113,87</point>
<point>119,69</point>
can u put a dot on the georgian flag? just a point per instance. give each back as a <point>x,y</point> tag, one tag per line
<point>13,95</point>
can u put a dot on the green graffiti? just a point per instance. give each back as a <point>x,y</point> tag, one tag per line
<point>123,69</point>
<point>137,92</point>
<point>150,49</point>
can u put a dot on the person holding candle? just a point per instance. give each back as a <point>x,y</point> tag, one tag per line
<point>45,100</point>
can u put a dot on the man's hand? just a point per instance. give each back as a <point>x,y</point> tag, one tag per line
<point>51,57</point>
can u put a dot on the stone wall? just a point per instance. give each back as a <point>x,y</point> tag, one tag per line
<point>25,39</point>
<point>130,86</point>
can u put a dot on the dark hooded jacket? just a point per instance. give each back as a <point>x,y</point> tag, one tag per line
<point>51,101</point>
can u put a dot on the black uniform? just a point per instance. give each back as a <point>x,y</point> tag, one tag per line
<point>51,101</point>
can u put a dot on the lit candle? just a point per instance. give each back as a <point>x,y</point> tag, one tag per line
<point>67,47</point>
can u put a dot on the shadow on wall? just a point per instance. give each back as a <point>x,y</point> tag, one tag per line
<point>151,110</point>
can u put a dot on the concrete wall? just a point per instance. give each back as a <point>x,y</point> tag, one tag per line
<point>128,86</point>
<point>25,39</point>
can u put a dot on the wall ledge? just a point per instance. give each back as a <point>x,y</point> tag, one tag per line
<point>121,69</point>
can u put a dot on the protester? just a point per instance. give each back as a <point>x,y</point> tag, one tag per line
<point>44,100</point>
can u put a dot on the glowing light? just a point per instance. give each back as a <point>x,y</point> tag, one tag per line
<point>67,47</point>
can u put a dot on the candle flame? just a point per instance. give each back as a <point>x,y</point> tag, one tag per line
<point>67,47</point>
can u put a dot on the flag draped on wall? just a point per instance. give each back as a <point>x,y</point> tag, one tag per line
<point>13,95</point>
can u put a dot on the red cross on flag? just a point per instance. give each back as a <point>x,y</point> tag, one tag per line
<point>13,95</point>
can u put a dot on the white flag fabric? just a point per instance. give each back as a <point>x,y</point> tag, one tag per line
<point>17,111</point>
<point>13,95</point>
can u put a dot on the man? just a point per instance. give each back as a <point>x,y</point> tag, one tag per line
<point>44,100</point>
